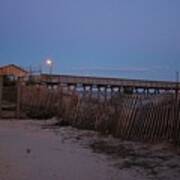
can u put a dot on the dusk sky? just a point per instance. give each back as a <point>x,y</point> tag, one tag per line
<point>121,38</point>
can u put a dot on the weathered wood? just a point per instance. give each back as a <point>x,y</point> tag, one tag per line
<point>132,117</point>
<point>1,91</point>
<point>18,103</point>
<point>155,112</point>
<point>148,123</point>
<point>114,82</point>
<point>152,122</point>
<point>126,116</point>
<point>146,112</point>
<point>140,118</point>
<point>176,120</point>
<point>157,121</point>
<point>119,127</point>
<point>148,118</point>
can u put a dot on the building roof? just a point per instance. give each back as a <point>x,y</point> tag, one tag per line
<point>14,66</point>
<point>13,70</point>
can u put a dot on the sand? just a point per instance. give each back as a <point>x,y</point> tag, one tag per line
<point>29,150</point>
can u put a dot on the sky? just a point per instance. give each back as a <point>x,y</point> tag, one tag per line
<point>137,39</point>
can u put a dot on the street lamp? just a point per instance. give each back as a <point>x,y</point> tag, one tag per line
<point>49,63</point>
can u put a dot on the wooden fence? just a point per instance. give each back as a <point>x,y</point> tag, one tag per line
<point>1,88</point>
<point>8,99</point>
<point>138,117</point>
<point>153,118</point>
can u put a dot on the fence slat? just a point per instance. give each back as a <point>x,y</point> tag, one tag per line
<point>1,91</point>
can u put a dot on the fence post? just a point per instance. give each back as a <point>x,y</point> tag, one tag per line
<point>176,124</point>
<point>1,91</point>
<point>18,99</point>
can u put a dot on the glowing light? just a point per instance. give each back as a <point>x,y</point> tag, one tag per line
<point>49,62</point>
<point>50,65</point>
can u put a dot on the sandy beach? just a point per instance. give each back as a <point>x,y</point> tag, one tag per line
<point>30,150</point>
<point>27,152</point>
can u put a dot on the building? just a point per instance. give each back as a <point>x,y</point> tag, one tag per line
<point>12,70</point>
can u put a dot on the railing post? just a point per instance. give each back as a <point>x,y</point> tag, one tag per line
<point>1,91</point>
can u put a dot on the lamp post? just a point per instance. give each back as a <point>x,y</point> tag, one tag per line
<point>49,63</point>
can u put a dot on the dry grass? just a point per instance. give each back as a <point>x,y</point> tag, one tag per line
<point>146,118</point>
